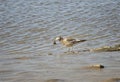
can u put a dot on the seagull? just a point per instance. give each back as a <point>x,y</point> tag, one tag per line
<point>68,42</point>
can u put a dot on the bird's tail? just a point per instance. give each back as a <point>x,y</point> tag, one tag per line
<point>81,40</point>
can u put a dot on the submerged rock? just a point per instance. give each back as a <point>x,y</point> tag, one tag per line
<point>108,48</point>
<point>55,80</point>
<point>50,54</point>
<point>96,66</point>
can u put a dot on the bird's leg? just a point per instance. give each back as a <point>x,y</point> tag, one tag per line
<point>69,49</point>
<point>72,49</point>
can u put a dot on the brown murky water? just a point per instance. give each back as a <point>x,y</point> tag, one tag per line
<point>28,27</point>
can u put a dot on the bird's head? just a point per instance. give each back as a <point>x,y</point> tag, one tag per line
<point>59,38</point>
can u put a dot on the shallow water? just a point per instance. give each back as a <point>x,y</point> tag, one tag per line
<point>27,30</point>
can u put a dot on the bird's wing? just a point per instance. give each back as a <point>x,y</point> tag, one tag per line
<point>70,39</point>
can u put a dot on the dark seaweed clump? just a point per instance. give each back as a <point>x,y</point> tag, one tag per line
<point>108,48</point>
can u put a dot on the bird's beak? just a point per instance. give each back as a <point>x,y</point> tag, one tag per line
<point>54,42</point>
